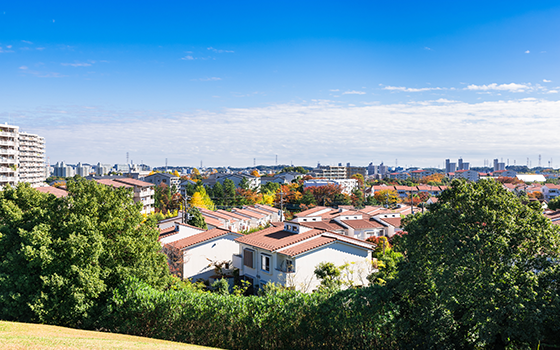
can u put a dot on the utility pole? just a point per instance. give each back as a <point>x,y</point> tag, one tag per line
<point>186,206</point>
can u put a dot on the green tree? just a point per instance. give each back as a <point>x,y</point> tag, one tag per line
<point>480,270</point>
<point>244,184</point>
<point>554,204</point>
<point>63,257</point>
<point>196,218</point>
<point>218,191</point>
<point>229,191</point>
<point>329,274</point>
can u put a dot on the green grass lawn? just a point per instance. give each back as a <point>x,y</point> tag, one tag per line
<point>14,335</point>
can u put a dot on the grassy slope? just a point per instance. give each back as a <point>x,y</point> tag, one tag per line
<point>15,335</point>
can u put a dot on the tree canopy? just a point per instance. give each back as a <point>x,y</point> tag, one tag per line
<point>480,270</point>
<point>63,257</point>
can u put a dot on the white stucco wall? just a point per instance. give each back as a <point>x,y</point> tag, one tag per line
<point>338,253</point>
<point>196,259</point>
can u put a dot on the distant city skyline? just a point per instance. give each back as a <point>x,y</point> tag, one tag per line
<point>310,82</point>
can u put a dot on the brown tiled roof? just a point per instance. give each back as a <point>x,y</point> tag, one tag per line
<point>111,182</point>
<point>396,222</point>
<point>311,211</point>
<point>361,224</point>
<point>211,221</point>
<point>274,238</point>
<point>323,225</point>
<point>258,210</point>
<point>307,245</point>
<point>57,192</point>
<point>200,237</point>
<point>134,182</point>
<point>266,208</point>
<point>232,215</point>
<point>217,214</point>
<point>249,213</point>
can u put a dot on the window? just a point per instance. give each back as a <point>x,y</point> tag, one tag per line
<point>265,262</point>
<point>248,258</point>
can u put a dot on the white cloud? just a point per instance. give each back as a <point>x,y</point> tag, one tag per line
<point>210,79</point>
<point>353,92</point>
<point>552,91</point>
<point>77,64</point>
<point>27,42</point>
<point>402,88</point>
<point>23,67</point>
<point>512,87</point>
<point>423,134</point>
<point>527,51</point>
<point>427,48</point>
<point>220,51</point>
<point>334,90</point>
<point>187,58</point>
<point>8,46</point>
<point>547,81</point>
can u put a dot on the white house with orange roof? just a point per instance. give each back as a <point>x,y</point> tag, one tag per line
<point>550,191</point>
<point>201,250</point>
<point>288,254</point>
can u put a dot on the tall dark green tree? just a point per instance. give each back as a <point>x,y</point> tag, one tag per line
<point>218,191</point>
<point>63,257</point>
<point>196,218</point>
<point>229,192</point>
<point>480,271</point>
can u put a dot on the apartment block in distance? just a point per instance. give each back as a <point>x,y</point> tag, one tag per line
<point>31,159</point>
<point>22,157</point>
<point>8,155</point>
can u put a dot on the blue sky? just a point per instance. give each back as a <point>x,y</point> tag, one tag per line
<point>225,82</point>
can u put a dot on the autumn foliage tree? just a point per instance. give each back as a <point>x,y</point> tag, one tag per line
<point>386,196</point>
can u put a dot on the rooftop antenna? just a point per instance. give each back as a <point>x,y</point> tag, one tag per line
<point>539,160</point>
<point>165,164</point>
<point>126,157</point>
<point>276,160</point>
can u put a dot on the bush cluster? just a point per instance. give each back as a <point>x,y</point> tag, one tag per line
<point>279,319</point>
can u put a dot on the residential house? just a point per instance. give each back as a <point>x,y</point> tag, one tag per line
<point>469,175</point>
<point>164,178</point>
<point>202,250</point>
<point>347,185</point>
<point>288,254</point>
<point>254,182</point>
<point>550,191</point>
<point>143,193</point>
<point>399,176</point>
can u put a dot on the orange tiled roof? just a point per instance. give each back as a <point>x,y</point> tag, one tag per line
<point>57,192</point>
<point>111,182</point>
<point>134,182</point>
<point>307,246</point>
<point>200,237</point>
<point>395,222</point>
<point>274,238</point>
<point>361,224</point>
<point>311,211</point>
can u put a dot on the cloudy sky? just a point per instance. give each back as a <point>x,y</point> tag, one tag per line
<point>225,82</point>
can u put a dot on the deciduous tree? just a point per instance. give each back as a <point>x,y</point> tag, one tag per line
<point>480,271</point>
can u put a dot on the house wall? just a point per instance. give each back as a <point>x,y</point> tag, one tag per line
<point>183,232</point>
<point>338,253</point>
<point>197,260</point>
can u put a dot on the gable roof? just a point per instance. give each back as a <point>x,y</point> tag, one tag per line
<point>307,246</point>
<point>274,238</point>
<point>395,222</point>
<point>57,192</point>
<point>113,183</point>
<point>201,237</point>
<point>134,182</point>
<point>361,224</point>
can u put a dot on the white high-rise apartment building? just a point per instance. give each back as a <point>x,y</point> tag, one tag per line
<point>31,159</point>
<point>8,155</point>
<point>22,157</point>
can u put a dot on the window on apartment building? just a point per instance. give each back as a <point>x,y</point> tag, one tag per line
<point>265,262</point>
<point>248,258</point>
